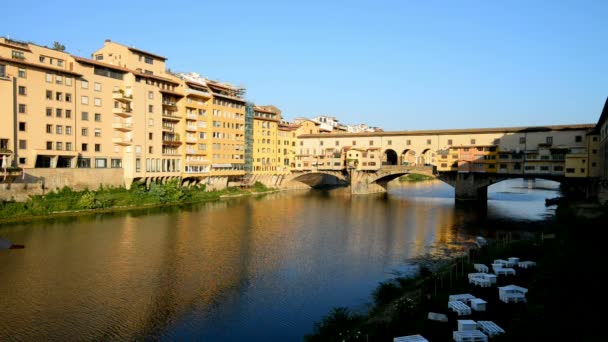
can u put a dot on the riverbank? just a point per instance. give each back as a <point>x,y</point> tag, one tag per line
<point>66,202</point>
<point>561,290</point>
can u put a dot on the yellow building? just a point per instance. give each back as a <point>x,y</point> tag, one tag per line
<point>193,107</point>
<point>265,140</point>
<point>286,147</point>
<point>226,120</point>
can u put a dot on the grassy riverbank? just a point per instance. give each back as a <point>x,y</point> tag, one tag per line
<point>561,290</point>
<point>67,201</point>
<point>415,177</point>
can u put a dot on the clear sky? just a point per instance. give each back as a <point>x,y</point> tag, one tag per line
<point>394,64</point>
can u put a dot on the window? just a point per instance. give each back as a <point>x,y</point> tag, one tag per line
<point>68,113</point>
<point>22,91</point>
<point>84,100</point>
<point>549,140</point>
<point>2,70</point>
<point>530,167</point>
<point>59,146</point>
<point>18,55</point>
<point>68,146</point>
<point>68,97</point>
<point>101,163</point>
<point>337,143</point>
<point>98,132</point>
<point>97,86</point>
<point>97,117</point>
<point>22,160</point>
<point>150,108</point>
<point>150,95</point>
<point>408,142</point>
<point>116,163</point>
<point>558,168</point>
<point>151,122</point>
<point>49,129</point>
<point>84,163</point>
<point>49,145</point>
<point>522,140</point>
<point>449,141</point>
<point>371,143</point>
<point>59,96</point>
<point>150,136</point>
<point>544,168</point>
<point>60,62</point>
<point>97,102</point>
<point>59,79</point>
<point>578,138</point>
<point>502,166</point>
<point>58,112</point>
<point>97,147</point>
<point>137,165</point>
<point>472,141</point>
<point>582,170</point>
<point>22,126</point>
<point>49,95</point>
<point>84,131</point>
<point>49,78</point>
<point>354,142</point>
<point>49,111</point>
<point>22,108</point>
<point>84,116</point>
<point>22,144</point>
<point>390,142</point>
<point>59,129</point>
<point>84,147</point>
<point>99,57</point>
<point>570,170</point>
<point>21,73</point>
<point>150,149</point>
<point>68,81</point>
<point>84,84</point>
<point>148,60</point>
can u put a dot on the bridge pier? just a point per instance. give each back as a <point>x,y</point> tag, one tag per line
<point>361,183</point>
<point>469,186</point>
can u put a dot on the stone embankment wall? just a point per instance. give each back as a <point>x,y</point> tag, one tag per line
<point>41,181</point>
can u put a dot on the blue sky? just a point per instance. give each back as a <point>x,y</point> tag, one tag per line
<point>394,64</point>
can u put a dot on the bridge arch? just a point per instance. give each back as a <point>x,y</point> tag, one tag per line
<point>426,157</point>
<point>408,157</point>
<point>389,157</point>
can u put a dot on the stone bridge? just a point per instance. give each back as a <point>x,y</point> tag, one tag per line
<point>361,181</point>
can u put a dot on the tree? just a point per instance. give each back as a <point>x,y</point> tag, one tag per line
<point>58,46</point>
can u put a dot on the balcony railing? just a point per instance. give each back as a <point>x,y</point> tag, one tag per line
<point>191,128</point>
<point>192,116</point>
<point>124,112</point>
<point>122,141</point>
<point>123,126</point>
<point>121,96</point>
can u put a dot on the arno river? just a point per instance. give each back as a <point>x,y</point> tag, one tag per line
<point>261,269</point>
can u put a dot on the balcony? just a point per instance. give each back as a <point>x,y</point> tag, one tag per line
<point>191,128</point>
<point>123,112</point>
<point>122,141</point>
<point>119,95</point>
<point>192,116</point>
<point>122,126</point>
<point>191,139</point>
<point>170,116</point>
<point>170,104</point>
<point>168,129</point>
<point>171,141</point>
<point>194,92</point>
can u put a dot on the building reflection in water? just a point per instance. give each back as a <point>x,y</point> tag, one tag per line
<point>261,267</point>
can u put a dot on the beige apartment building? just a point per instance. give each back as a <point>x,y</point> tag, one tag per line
<point>121,110</point>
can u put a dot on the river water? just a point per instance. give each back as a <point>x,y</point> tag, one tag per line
<point>256,268</point>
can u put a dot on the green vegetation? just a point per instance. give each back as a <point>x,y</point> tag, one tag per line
<point>415,177</point>
<point>67,200</point>
<point>561,290</point>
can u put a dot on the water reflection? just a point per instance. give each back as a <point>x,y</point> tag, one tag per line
<point>258,268</point>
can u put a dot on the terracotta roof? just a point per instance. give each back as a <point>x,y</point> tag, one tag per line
<point>147,53</point>
<point>36,65</point>
<point>101,64</point>
<point>462,131</point>
<point>164,79</point>
<point>229,97</point>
